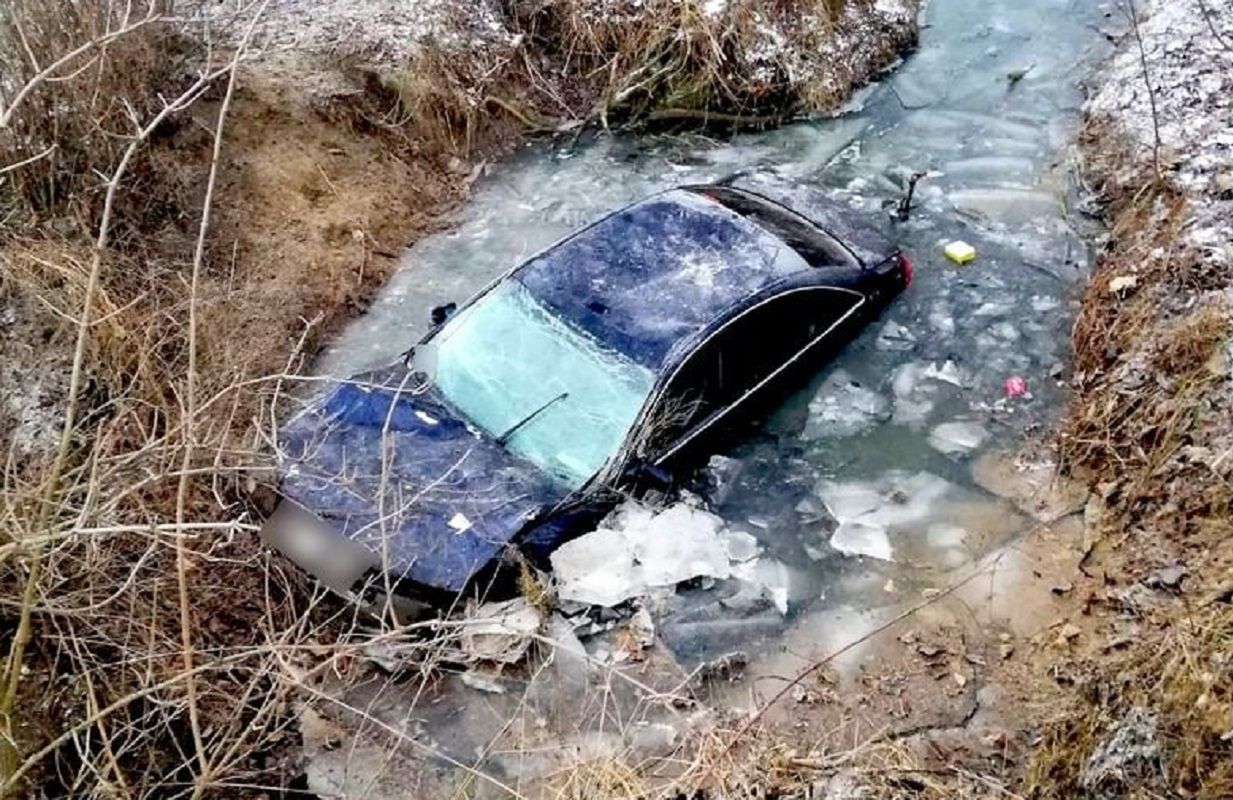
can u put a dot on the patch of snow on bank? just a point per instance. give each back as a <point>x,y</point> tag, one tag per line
<point>1191,71</point>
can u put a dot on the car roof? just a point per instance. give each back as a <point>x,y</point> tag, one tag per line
<point>658,272</point>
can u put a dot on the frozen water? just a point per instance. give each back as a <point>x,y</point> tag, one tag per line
<point>677,544</point>
<point>868,513</point>
<point>740,546</point>
<point>936,360</point>
<point>894,336</point>
<point>597,569</point>
<point>842,407</point>
<point>637,549</point>
<point>862,539</point>
<point>957,437</point>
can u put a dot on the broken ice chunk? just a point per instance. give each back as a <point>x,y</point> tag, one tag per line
<point>500,632</point>
<point>850,500</point>
<point>947,373</point>
<point>597,569</point>
<point>679,544</point>
<point>460,523</point>
<point>765,579</point>
<point>957,437</point>
<point>862,539</point>
<point>868,512</point>
<point>638,549</point>
<point>842,407</point>
<point>895,337</point>
<point>740,546</point>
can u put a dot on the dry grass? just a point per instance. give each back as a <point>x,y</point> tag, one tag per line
<point>1184,678</point>
<point>1148,424</point>
<point>661,61</point>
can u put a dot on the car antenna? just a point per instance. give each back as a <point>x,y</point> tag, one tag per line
<point>503,438</point>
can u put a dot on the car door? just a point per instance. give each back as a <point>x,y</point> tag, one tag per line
<point>742,363</point>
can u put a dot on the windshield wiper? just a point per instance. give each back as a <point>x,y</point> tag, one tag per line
<point>503,438</point>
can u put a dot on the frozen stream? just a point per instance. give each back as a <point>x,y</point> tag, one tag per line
<point>898,419</point>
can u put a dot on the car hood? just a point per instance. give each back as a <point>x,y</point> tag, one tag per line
<point>385,462</point>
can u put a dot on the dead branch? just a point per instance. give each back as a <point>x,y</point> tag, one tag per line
<point>1133,14</point>
<point>50,70</point>
<point>190,409</point>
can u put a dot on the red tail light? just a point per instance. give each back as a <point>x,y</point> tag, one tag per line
<point>906,263</point>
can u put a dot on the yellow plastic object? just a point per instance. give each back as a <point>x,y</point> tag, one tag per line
<point>960,252</point>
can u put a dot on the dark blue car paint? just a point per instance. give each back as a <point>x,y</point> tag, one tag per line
<point>625,280</point>
<point>391,466</point>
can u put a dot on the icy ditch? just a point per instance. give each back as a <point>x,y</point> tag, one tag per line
<point>895,442</point>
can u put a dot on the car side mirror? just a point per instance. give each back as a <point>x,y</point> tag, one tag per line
<point>648,475</point>
<point>443,312</point>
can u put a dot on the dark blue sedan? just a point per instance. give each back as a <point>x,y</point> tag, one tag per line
<point>601,367</point>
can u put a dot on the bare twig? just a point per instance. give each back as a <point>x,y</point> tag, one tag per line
<point>1211,25</point>
<point>190,409</point>
<point>1133,15</point>
<point>51,69</point>
<point>12,671</point>
<point>26,161</point>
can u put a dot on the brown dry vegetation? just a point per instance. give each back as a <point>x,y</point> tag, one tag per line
<point>1149,430</point>
<point>153,647</point>
<point>658,62</point>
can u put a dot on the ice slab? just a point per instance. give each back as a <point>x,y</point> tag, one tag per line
<point>637,549</point>
<point>597,569</point>
<point>843,407</point>
<point>960,436</point>
<point>862,539</point>
<point>867,512</point>
<point>501,632</point>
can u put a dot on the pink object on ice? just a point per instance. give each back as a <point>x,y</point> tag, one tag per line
<point>1015,386</point>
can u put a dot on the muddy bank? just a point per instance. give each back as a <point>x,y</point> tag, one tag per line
<point>1150,423</point>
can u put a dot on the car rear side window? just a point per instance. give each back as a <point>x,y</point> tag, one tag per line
<point>815,245</point>
<point>745,353</point>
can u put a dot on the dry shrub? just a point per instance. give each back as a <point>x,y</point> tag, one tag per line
<point>1184,679</point>
<point>452,103</point>
<point>687,59</point>
<point>78,122</point>
<point>573,62</point>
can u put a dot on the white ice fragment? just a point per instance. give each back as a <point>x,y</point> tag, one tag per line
<point>637,550</point>
<point>482,682</point>
<point>678,544</point>
<point>765,578</point>
<point>597,569</point>
<point>862,539</point>
<point>947,373</point>
<point>942,321</point>
<point>894,336</point>
<point>426,418</point>
<point>850,500</point>
<point>460,523</point>
<point>740,546</point>
<point>868,512</point>
<point>842,407</point>
<point>957,437</point>
<point>500,632</point>
<point>1041,304</point>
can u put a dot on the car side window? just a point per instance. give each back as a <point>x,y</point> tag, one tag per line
<point>742,355</point>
